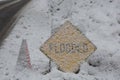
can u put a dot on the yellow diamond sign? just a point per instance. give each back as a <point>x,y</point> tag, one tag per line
<point>68,47</point>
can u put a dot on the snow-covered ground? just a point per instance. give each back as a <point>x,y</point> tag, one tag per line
<point>99,20</point>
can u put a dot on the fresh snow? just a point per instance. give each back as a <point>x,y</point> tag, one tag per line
<point>99,20</point>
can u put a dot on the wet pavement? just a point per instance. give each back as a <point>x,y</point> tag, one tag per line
<point>8,10</point>
<point>5,2</point>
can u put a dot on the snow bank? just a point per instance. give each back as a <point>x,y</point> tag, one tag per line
<point>99,20</point>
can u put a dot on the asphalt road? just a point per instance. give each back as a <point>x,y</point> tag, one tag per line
<point>8,10</point>
<point>5,2</point>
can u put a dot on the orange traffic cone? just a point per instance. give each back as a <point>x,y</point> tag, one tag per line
<point>23,58</point>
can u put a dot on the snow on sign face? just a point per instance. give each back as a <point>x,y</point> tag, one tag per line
<point>68,47</point>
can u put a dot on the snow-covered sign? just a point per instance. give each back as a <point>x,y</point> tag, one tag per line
<point>68,47</point>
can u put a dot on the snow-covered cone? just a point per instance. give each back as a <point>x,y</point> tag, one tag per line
<point>23,58</point>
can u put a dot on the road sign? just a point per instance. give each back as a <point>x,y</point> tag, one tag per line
<point>68,47</point>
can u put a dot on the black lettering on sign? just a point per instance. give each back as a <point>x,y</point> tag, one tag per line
<point>62,48</point>
<point>68,48</point>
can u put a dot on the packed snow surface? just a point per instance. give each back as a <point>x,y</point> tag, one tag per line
<point>99,21</point>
